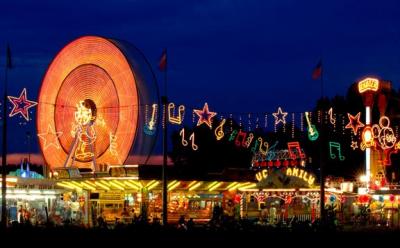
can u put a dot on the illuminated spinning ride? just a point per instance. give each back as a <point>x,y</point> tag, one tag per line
<point>89,104</point>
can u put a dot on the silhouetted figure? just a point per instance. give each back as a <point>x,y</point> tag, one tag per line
<point>190,224</point>
<point>182,223</point>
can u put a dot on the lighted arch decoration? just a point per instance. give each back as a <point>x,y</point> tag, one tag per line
<point>97,69</point>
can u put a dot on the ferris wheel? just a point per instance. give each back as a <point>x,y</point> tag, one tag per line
<point>89,105</point>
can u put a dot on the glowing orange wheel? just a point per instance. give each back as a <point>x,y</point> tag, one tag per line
<point>89,69</point>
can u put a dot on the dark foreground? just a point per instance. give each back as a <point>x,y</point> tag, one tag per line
<point>132,236</point>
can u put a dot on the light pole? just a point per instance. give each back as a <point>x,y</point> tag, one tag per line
<point>368,88</point>
<point>4,147</point>
<point>28,135</point>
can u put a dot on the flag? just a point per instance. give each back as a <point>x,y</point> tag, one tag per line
<point>162,65</point>
<point>8,58</point>
<point>317,71</point>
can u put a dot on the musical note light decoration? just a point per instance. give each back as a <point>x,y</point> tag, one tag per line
<point>182,134</point>
<point>178,118</point>
<point>21,105</point>
<point>191,138</point>
<point>248,141</point>
<point>219,131</point>
<point>354,122</point>
<point>331,119</point>
<point>295,145</point>
<point>233,135</point>
<point>194,146</point>
<point>205,116</point>
<point>263,144</point>
<point>337,147</point>
<point>240,138</point>
<point>280,116</point>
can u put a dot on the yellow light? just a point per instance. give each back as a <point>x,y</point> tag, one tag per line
<point>88,186</point>
<point>215,186</point>
<point>131,185</point>
<point>105,183</point>
<point>174,186</point>
<point>212,184</point>
<point>219,131</point>
<point>137,183</point>
<point>363,178</point>
<point>116,186</point>
<point>10,179</point>
<point>368,84</point>
<point>65,186</point>
<point>91,183</point>
<point>231,186</point>
<point>195,186</point>
<point>240,185</point>
<point>83,115</point>
<point>153,185</point>
<point>149,183</point>
<point>102,186</point>
<point>248,186</point>
<point>76,184</point>
<point>367,136</point>
<point>118,183</point>
<point>179,117</point>
<point>191,184</point>
<point>171,183</point>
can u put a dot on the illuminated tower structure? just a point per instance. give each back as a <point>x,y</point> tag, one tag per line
<point>369,88</point>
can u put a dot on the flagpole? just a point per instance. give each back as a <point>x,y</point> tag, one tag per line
<point>322,80</point>
<point>165,148</point>
<point>322,157</point>
<point>4,152</point>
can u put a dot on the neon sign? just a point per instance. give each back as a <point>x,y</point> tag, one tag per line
<point>205,116</point>
<point>335,146</point>
<point>384,133</point>
<point>179,117</point>
<point>295,172</point>
<point>354,122</point>
<point>302,174</point>
<point>150,128</point>
<point>219,131</point>
<point>280,116</point>
<point>368,84</point>
<point>21,105</point>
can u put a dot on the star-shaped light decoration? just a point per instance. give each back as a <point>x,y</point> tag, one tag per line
<point>205,116</point>
<point>354,145</point>
<point>50,138</point>
<point>354,122</point>
<point>280,116</point>
<point>21,105</point>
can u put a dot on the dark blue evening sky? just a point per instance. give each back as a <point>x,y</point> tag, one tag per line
<point>239,56</point>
